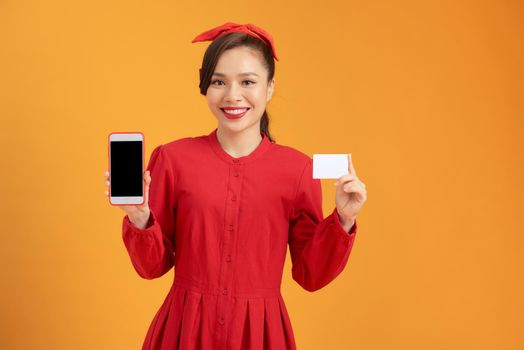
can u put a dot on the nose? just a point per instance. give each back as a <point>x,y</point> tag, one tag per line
<point>233,93</point>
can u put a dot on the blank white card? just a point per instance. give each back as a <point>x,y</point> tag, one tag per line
<point>330,166</point>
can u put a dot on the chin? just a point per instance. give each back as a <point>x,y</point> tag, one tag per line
<point>233,128</point>
<point>236,126</point>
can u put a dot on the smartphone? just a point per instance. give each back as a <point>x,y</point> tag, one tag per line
<point>126,168</point>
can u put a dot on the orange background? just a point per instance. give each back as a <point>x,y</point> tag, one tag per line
<point>426,95</point>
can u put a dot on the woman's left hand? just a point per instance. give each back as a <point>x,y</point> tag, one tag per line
<point>350,195</point>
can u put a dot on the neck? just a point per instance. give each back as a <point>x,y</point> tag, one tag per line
<point>239,144</point>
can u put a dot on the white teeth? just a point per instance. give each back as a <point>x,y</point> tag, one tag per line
<point>236,111</point>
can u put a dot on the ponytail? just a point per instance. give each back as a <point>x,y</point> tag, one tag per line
<point>264,126</point>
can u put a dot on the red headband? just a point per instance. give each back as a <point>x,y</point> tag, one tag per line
<point>230,27</point>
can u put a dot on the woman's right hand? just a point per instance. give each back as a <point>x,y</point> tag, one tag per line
<point>138,214</point>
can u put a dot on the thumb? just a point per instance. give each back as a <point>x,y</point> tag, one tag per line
<point>147,181</point>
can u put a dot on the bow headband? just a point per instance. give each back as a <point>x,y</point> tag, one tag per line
<point>230,27</point>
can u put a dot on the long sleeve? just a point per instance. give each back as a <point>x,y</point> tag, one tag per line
<point>319,247</point>
<point>152,249</point>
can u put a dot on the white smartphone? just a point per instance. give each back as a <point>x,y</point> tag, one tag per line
<point>126,168</point>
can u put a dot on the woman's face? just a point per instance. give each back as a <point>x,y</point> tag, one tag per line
<point>239,90</point>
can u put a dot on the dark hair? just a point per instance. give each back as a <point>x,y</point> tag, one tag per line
<point>230,41</point>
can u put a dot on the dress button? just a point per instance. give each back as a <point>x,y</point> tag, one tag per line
<point>235,160</point>
<point>235,174</point>
<point>230,228</point>
<point>224,291</point>
<point>221,320</point>
<point>228,258</point>
<point>234,198</point>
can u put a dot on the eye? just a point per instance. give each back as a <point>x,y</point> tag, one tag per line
<point>250,81</point>
<point>214,81</point>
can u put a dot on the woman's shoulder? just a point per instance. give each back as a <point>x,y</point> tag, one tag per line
<point>187,143</point>
<point>290,154</point>
<point>183,150</point>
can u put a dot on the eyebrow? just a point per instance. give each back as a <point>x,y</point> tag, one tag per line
<point>246,73</point>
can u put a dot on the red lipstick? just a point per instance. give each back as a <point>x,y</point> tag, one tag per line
<point>234,112</point>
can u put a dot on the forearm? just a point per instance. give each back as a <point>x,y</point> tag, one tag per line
<point>150,253</point>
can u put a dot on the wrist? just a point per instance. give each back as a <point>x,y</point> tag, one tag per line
<point>346,223</point>
<point>141,220</point>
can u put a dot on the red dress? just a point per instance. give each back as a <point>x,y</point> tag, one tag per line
<point>225,224</point>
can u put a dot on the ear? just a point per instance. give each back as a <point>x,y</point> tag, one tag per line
<point>270,89</point>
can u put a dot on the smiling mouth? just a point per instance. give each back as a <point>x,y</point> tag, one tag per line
<point>234,113</point>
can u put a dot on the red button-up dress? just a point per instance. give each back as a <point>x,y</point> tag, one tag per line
<point>225,224</point>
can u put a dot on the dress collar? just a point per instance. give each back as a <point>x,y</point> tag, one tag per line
<point>262,147</point>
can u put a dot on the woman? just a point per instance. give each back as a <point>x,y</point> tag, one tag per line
<point>223,207</point>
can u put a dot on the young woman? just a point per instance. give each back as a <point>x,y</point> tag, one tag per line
<point>223,207</point>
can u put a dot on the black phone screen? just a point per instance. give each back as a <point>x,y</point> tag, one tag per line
<point>126,168</point>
